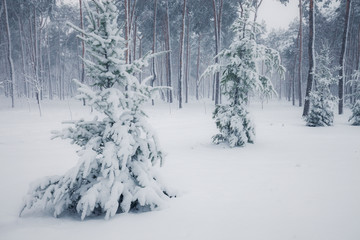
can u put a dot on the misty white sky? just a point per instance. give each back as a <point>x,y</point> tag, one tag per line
<point>275,14</point>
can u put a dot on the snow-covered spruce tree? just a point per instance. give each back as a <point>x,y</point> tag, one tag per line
<point>322,102</point>
<point>240,78</point>
<point>355,109</point>
<point>120,155</point>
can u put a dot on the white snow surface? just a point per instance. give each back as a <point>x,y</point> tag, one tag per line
<point>295,182</point>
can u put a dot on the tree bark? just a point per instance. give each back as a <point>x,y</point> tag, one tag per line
<point>154,49</point>
<point>49,69</point>
<point>311,58</point>
<point>168,54</point>
<point>9,56</point>
<point>35,63</point>
<point>187,58</point>
<point>22,56</point>
<point>140,56</point>
<point>219,18</point>
<point>126,31</point>
<point>181,55</point>
<point>300,54</point>
<point>357,63</point>
<point>293,83</point>
<point>82,80</point>
<point>217,24</point>
<point>40,60</point>
<point>134,39</point>
<point>342,57</point>
<point>198,69</point>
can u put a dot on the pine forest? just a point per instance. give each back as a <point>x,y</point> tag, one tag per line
<point>210,119</point>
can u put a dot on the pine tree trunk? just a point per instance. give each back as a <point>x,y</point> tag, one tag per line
<point>168,54</point>
<point>293,83</point>
<point>82,80</point>
<point>187,59</point>
<point>181,50</point>
<point>154,49</point>
<point>140,56</point>
<point>213,88</point>
<point>198,69</point>
<point>300,54</point>
<point>9,56</point>
<point>134,39</point>
<point>36,60</point>
<point>40,64</point>
<point>126,31</point>
<point>49,68</point>
<point>289,87</point>
<point>357,63</point>
<point>217,75</point>
<point>342,57</point>
<point>311,58</point>
<point>22,56</point>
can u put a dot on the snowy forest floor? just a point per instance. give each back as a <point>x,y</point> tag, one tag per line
<point>295,182</point>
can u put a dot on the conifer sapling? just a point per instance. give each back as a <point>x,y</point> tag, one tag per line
<point>355,109</point>
<point>322,102</point>
<point>120,154</point>
<point>240,79</point>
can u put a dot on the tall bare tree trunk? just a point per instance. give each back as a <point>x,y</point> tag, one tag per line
<point>49,68</point>
<point>126,31</point>
<point>181,50</point>
<point>154,49</point>
<point>293,83</point>
<point>300,53</point>
<point>140,56</point>
<point>311,58</point>
<point>187,58</point>
<point>289,87</point>
<point>198,68</point>
<point>217,30</point>
<point>10,60</point>
<point>216,84</point>
<point>357,62</point>
<point>40,63</point>
<point>82,80</point>
<point>22,56</point>
<point>168,54</point>
<point>36,70</point>
<point>134,39</point>
<point>342,57</point>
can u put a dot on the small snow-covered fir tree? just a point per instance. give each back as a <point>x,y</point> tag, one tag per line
<point>120,154</point>
<point>240,78</point>
<point>322,102</point>
<point>355,116</point>
<point>355,109</point>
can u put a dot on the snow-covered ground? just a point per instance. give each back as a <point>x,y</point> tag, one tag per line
<point>295,182</point>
